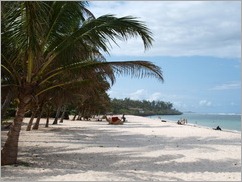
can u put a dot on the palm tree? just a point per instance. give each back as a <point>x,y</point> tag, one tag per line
<point>41,41</point>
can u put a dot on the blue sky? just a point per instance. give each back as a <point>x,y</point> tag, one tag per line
<point>196,43</point>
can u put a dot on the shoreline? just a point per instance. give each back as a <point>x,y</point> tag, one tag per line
<point>201,126</point>
<point>140,149</point>
<point>197,119</point>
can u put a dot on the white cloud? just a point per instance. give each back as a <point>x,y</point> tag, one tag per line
<point>180,105</point>
<point>228,86</point>
<point>138,95</point>
<point>205,103</point>
<point>155,96</point>
<point>180,28</point>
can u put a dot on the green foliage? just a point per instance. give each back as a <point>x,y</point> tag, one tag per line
<point>52,57</point>
<point>142,108</point>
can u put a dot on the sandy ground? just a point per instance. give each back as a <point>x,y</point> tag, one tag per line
<point>140,150</point>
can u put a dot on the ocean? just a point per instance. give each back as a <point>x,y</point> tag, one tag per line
<point>230,122</point>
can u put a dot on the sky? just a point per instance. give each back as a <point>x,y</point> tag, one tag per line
<point>197,44</point>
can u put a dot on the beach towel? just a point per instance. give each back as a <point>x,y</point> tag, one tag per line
<point>114,119</point>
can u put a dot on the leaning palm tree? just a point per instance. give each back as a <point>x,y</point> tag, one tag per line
<point>41,41</point>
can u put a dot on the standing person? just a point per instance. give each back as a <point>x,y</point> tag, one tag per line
<point>123,118</point>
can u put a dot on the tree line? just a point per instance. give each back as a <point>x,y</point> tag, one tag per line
<point>142,108</point>
<point>89,108</point>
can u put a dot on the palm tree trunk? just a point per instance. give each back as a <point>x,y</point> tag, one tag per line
<point>9,152</point>
<point>74,118</point>
<point>57,115</point>
<point>5,105</point>
<point>31,120</point>
<point>36,125</point>
<point>79,116</point>
<point>47,121</point>
<point>63,114</point>
<point>48,118</point>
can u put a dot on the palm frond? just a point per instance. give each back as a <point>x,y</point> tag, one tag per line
<point>98,32</point>
<point>107,70</point>
<point>64,19</point>
<point>137,69</point>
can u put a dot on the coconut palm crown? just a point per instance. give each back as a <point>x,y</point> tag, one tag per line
<point>44,43</point>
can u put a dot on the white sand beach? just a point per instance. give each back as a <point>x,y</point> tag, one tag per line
<point>142,149</point>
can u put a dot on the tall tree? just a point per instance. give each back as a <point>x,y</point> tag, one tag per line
<point>43,41</point>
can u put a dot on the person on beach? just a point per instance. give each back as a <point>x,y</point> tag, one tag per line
<point>123,118</point>
<point>218,128</point>
<point>182,121</point>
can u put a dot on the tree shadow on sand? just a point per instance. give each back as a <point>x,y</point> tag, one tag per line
<point>119,153</point>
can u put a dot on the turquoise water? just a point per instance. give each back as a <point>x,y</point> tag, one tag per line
<point>225,121</point>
